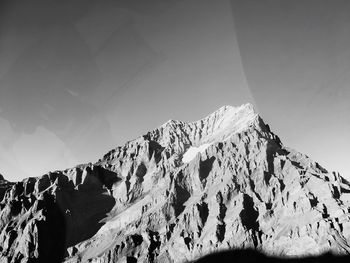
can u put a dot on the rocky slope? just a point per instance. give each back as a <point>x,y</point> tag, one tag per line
<point>177,193</point>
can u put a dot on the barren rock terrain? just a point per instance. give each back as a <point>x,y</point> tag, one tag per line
<point>177,193</point>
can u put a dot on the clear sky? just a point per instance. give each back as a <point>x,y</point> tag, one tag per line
<point>78,78</point>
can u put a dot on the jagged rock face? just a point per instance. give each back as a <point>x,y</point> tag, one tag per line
<point>177,193</point>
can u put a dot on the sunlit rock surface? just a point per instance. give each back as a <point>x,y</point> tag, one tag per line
<point>177,193</point>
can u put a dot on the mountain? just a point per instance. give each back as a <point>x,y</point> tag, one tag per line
<point>177,193</point>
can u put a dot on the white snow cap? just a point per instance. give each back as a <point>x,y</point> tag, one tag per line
<point>219,126</point>
<point>193,151</point>
<point>228,120</point>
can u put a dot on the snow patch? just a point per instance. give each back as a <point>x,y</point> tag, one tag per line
<point>192,152</point>
<point>234,120</point>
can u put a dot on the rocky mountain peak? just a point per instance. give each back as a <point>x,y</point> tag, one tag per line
<point>225,121</point>
<point>179,192</point>
<point>216,127</point>
<point>227,112</point>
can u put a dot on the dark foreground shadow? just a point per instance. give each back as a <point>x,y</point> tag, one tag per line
<point>85,208</point>
<point>57,215</point>
<point>250,256</point>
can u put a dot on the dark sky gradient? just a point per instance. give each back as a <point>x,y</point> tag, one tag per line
<point>78,78</point>
<point>296,57</point>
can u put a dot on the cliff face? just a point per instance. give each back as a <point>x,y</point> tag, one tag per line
<point>177,193</point>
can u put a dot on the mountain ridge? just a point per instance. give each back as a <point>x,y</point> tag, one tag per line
<point>146,201</point>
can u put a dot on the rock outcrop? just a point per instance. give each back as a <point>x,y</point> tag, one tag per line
<point>177,193</point>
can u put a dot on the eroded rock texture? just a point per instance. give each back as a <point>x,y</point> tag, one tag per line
<point>177,193</point>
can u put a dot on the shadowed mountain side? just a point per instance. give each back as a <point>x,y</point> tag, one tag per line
<point>179,192</point>
<point>250,256</point>
<point>4,185</point>
<point>84,208</point>
<point>41,217</point>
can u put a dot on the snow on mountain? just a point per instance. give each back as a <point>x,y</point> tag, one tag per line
<point>177,193</point>
<point>191,153</point>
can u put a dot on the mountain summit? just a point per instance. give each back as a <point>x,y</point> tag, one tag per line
<point>177,193</point>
